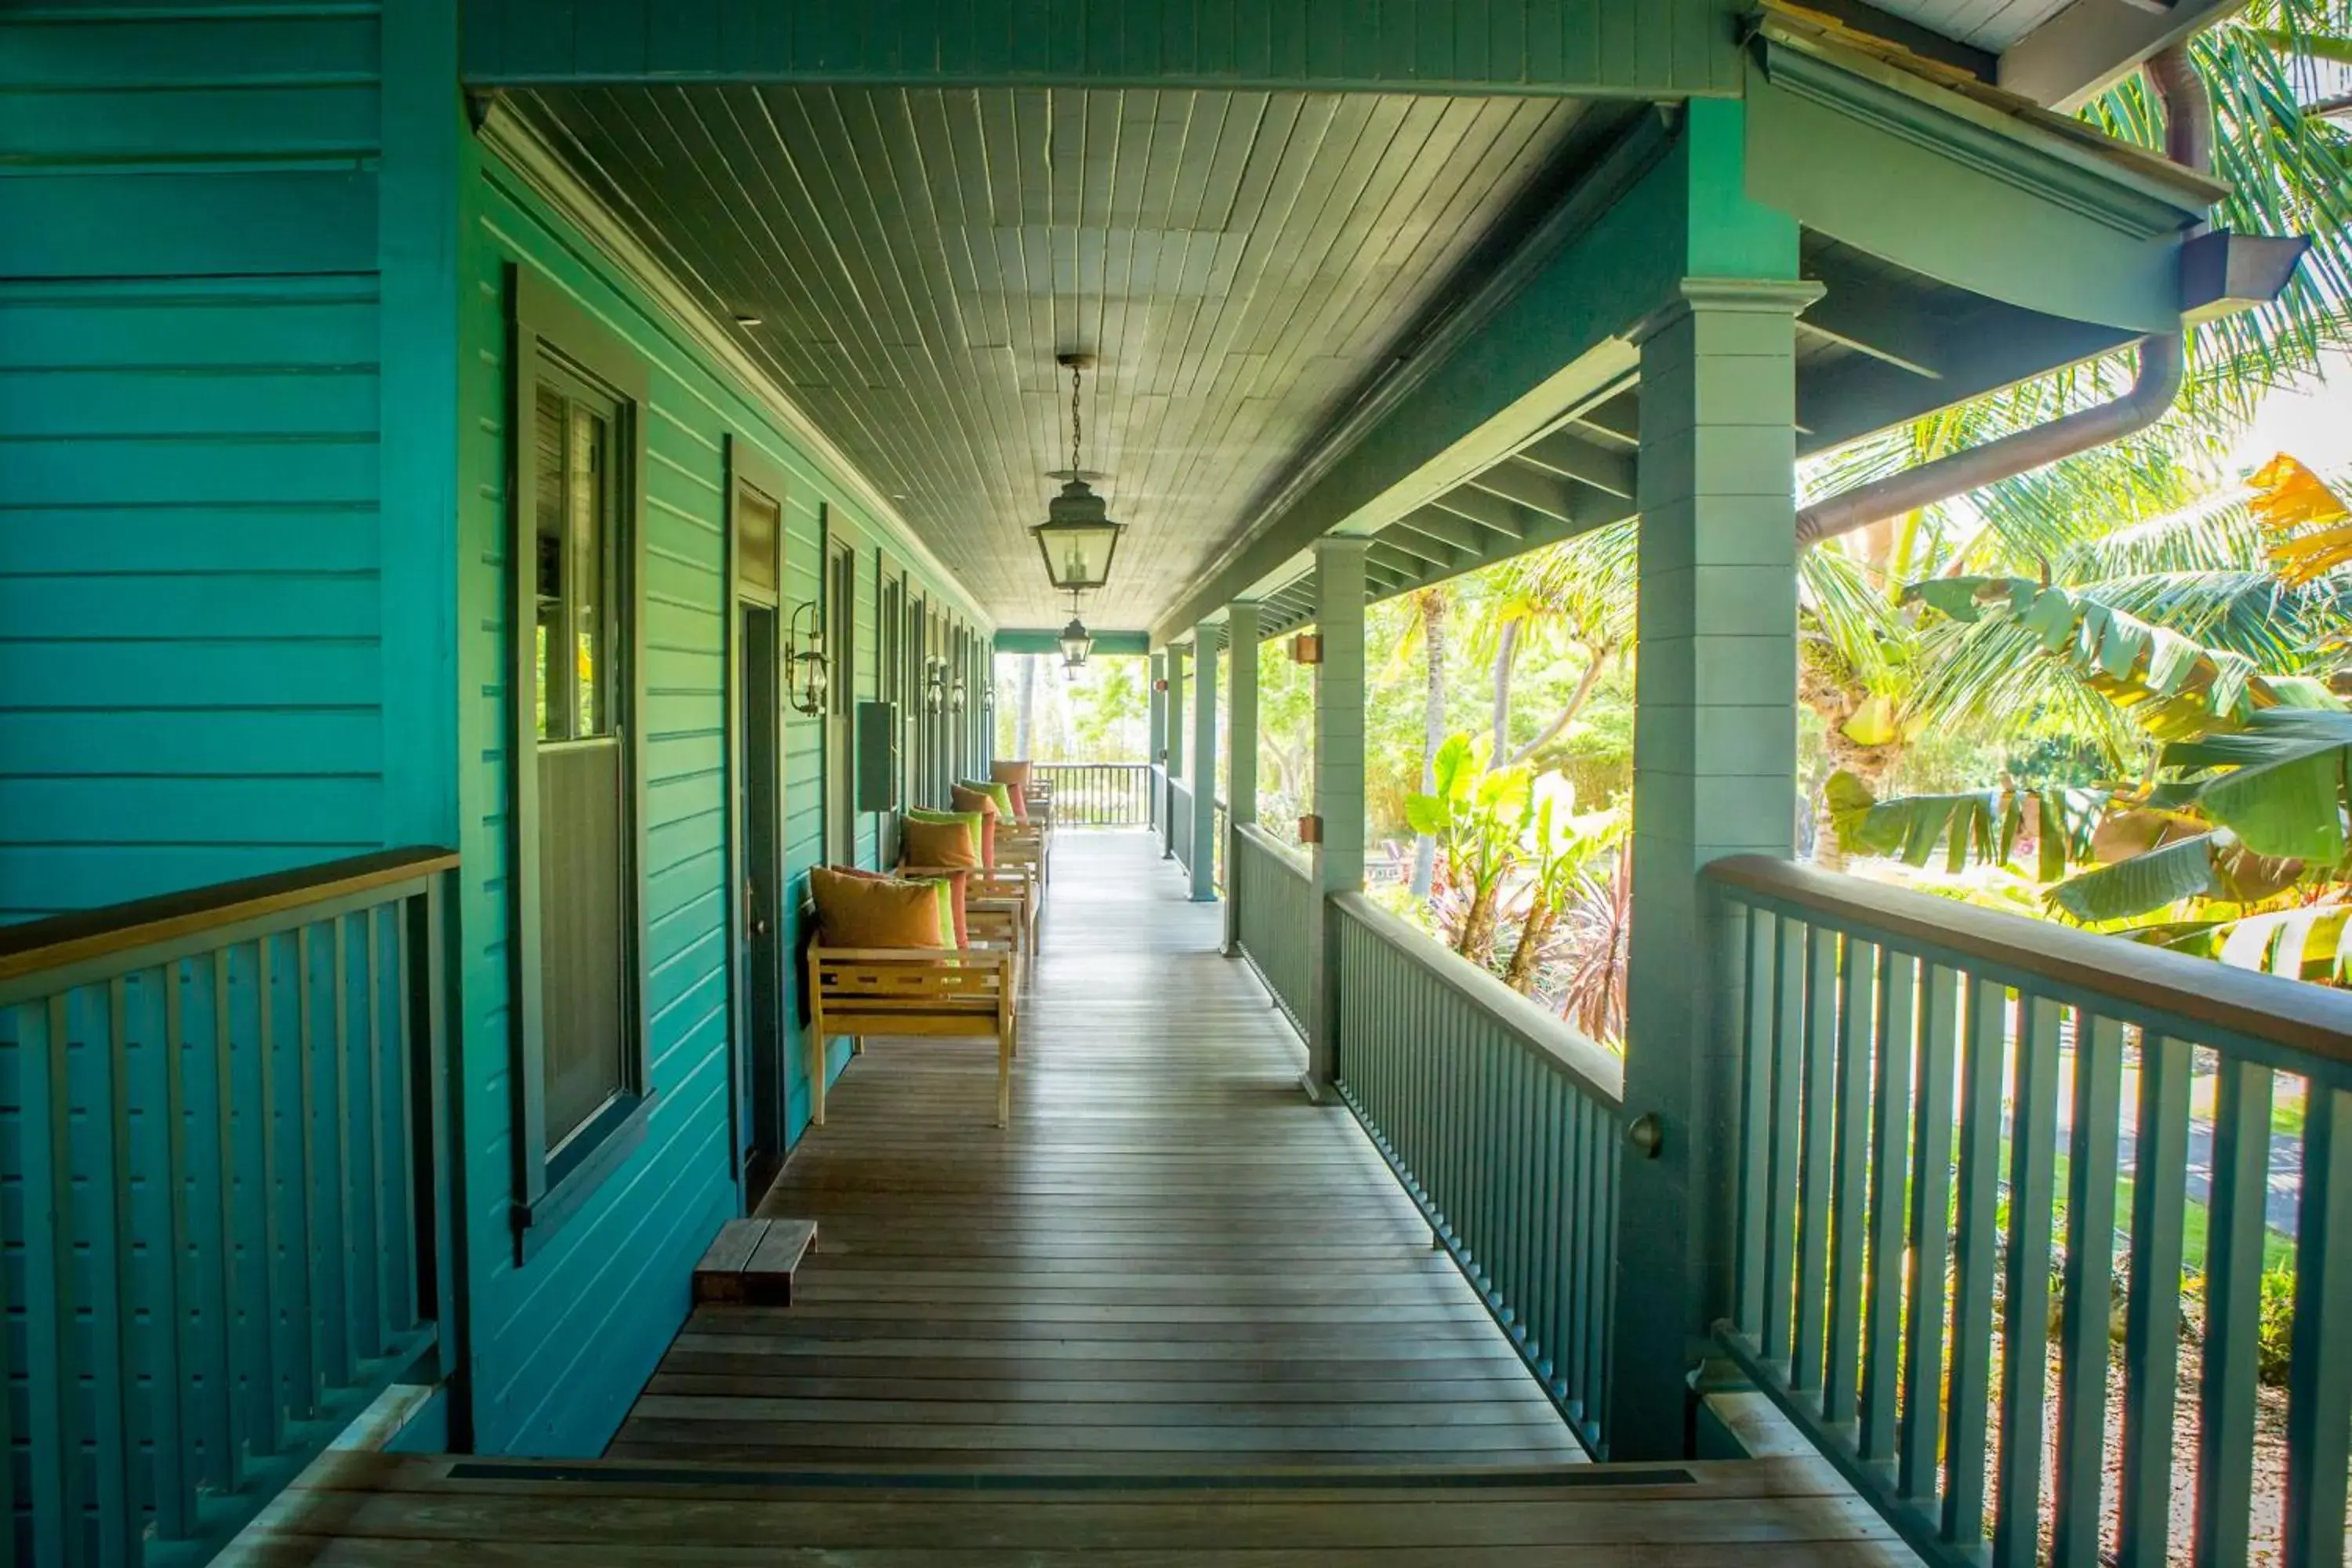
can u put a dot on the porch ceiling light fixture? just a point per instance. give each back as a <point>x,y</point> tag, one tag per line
<point>1075,640</point>
<point>810,674</point>
<point>1078,537</point>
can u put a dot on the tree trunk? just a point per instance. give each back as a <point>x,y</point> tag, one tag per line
<point>1585,684</point>
<point>1534,935</point>
<point>1837,702</point>
<point>1434,607</point>
<point>1025,711</point>
<point>1507,655</point>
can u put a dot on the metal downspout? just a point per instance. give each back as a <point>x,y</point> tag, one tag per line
<point>2188,141</point>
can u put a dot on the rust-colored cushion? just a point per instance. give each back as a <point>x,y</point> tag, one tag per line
<point>859,909</point>
<point>952,890</point>
<point>1016,777</point>
<point>972,800</point>
<point>929,844</point>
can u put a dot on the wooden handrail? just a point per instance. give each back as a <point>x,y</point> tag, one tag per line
<point>1596,1073</point>
<point>1290,860</point>
<point>80,935</point>
<point>2314,1020</point>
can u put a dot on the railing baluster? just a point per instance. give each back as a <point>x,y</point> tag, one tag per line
<point>1889,1169</point>
<point>1975,1252</point>
<point>1788,938</point>
<point>52,1345</point>
<point>1931,1236</point>
<point>2090,1273</point>
<point>1806,1361</point>
<point>1857,983</point>
<point>171,1388</point>
<point>264,1309</point>
<point>2319,1388</point>
<point>1755,1040</point>
<point>2152,1313</point>
<point>112,1359</point>
<point>2233,1303</point>
<point>2025,1312</point>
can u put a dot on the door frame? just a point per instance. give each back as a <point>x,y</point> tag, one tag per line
<point>747,469</point>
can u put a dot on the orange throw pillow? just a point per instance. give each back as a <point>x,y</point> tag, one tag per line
<point>978,803</point>
<point>937,843</point>
<point>954,882</point>
<point>1015,775</point>
<point>862,910</point>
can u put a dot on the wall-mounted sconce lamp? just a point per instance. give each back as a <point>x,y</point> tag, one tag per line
<point>935,684</point>
<point>956,695</point>
<point>811,674</point>
<point>1306,648</point>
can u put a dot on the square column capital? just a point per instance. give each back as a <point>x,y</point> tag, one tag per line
<point>1747,296</point>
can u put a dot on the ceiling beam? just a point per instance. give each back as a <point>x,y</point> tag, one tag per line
<point>1565,453</point>
<point>1618,420</point>
<point>1489,511</point>
<point>1868,322</point>
<point>1994,346</point>
<point>1397,537</point>
<point>2093,44</point>
<point>1537,489</point>
<point>1431,522</point>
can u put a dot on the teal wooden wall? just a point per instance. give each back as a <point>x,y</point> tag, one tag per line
<point>190,678</point>
<point>562,1344</point>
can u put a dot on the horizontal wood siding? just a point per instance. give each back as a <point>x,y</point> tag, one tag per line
<point>1496,46</point>
<point>190,683</point>
<point>564,1341</point>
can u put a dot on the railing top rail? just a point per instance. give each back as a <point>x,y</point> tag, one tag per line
<point>1595,1071</point>
<point>81,935</point>
<point>1258,838</point>
<point>2314,1020</point>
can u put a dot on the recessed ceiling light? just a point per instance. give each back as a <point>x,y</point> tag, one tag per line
<point>897,494</point>
<point>749,318</point>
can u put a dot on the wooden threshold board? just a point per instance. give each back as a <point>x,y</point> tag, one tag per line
<point>751,1262</point>
<point>430,1511</point>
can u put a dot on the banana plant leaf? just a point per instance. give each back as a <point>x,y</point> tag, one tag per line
<point>2207,866</point>
<point>2172,686</point>
<point>2283,791</point>
<point>1982,826</point>
<point>2313,944</point>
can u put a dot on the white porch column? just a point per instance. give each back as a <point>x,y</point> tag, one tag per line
<point>1240,728</point>
<point>1338,856</point>
<point>1174,744</point>
<point>1204,769</point>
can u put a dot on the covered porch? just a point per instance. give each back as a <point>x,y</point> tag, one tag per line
<point>595,444</point>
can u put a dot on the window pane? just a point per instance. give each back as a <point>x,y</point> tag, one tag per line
<point>585,484</point>
<point>759,523</point>
<point>547,478</point>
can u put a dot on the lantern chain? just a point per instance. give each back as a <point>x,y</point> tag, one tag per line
<point>1078,374</point>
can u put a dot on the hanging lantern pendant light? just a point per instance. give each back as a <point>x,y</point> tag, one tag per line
<point>1078,537</point>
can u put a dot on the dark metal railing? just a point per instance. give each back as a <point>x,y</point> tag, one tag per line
<point>1929,1092</point>
<point>1097,794</point>
<point>220,1128</point>
<point>1503,1124</point>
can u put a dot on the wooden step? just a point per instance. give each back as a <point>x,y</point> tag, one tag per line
<point>752,1261</point>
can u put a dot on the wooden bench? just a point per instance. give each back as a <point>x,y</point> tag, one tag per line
<point>1025,846</point>
<point>967,993</point>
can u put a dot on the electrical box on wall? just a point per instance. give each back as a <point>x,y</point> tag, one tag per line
<point>877,756</point>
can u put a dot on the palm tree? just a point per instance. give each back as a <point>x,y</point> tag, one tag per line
<point>1574,597</point>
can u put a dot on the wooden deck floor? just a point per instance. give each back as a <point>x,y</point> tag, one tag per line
<point>1170,1259</point>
